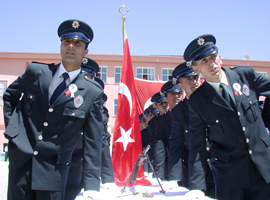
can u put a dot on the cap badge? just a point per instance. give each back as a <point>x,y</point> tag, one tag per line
<point>174,81</point>
<point>78,101</point>
<point>188,63</point>
<point>246,90</point>
<point>200,41</point>
<point>84,60</point>
<point>75,24</point>
<point>160,93</point>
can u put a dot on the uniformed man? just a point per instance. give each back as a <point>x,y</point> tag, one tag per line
<point>150,112</point>
<point>226,109</point>
<point>189,81</point>
<point>162,106</point>
<point>173,95</point>
<point>44,125</point>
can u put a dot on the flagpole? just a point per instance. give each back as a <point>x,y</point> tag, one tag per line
<point>124,19</point>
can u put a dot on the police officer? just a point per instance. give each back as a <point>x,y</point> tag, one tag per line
<point>189,81</point>
<point>162,106</point>
<point>44,123</point>
<point>172,96</point>
<point>226,108</point>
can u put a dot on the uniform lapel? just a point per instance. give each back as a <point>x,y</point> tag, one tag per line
<point>65,96</point>
<point>45,80</point>
<point>235,79</point>
<point>213,97</point>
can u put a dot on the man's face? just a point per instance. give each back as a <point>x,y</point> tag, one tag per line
<point>209,67</point>
<point>189,84</point>
<point>149,117</point>
<point>162,107</point>
<point>173,98</point>
<point>72,53</point>
<point>143,124</point>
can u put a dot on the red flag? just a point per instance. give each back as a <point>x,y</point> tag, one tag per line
<point>127,144</point>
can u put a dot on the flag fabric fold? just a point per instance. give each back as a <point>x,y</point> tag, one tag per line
<point>127,144</point>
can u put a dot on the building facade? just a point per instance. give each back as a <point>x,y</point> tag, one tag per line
<point>152,68</point>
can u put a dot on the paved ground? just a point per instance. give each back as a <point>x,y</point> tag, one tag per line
<point>3,179</point>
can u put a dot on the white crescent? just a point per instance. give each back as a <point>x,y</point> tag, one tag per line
<point>123,89</point>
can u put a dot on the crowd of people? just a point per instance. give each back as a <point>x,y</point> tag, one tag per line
<point>213,138</point>
<point>216,139</point>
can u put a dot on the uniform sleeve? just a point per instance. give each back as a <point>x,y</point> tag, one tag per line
<point>197,151</point>
<point>93,145</point>
<point>12,96</point>
<point>176,148</point>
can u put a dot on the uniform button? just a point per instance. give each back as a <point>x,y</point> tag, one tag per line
<point>206,139</point>
<point>35,153</point>
<point>45,124</point>
<point>31,97</point>
<point>244,128</point>
<point>250,102</point>
<point>238,113</point>
<point>247,140</point>
<point>81,158</point>
<point>170,137</point>
<point>250,152</point>
<point>50,109</point>
<point>73,114</point>
<point>186,131</point>
<point>81,133</point>
<point>217,121</point>
<point>183,160</point>
<point>215,158</point>
<point>40,137</point>
<point>208,159</point>
<point>67,163</point>
<point>207,149</point>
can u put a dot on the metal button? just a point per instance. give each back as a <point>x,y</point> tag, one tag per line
<point>244,128</point>
<point>170,138</point>
<point>206,139</point>
<point>31,97</point>
<point>81,133</point>
<point>45,124</point>
<point>67,163</point>
<point>207,149</point>
<point>50,109</point>
<point>238,113</point>
<point>247,140</point>
<point>40,137</point>
<point>250,152</point>
<point>208,159</point>
<point>217,121</point>
<point>73,114</point>
<point>250,102</point>
<point>216,159</point>
<point>186,131</point>
<point>35,153</point>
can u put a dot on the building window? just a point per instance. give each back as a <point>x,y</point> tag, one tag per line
<point>146,73</point>
<point>167,74</point>
<point>103,74</point>
<point>117,74</point>
<point>263,73</point>
<point>115,106</point>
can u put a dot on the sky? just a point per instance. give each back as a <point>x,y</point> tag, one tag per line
<point>154,27</point>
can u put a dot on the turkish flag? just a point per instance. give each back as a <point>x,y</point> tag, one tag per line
<point>127,144</point>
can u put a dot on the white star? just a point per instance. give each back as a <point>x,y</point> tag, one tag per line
<point>125,138</point>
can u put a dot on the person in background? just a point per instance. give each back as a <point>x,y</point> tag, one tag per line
<point>45,111</point>
<point>172,95</point>
<point>225,111</point>
<point>189,81</point>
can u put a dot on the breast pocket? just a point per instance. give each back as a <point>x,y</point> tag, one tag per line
<point>31,97</point>
<point>251,109</point>
<point>72,117</point>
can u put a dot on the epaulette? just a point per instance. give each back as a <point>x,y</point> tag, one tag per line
<point>92,81</point>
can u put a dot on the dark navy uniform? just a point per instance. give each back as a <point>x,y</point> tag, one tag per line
<point>240,153</point>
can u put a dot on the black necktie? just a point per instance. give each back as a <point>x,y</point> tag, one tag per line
<point>60,88</point>
<point>226,96</point>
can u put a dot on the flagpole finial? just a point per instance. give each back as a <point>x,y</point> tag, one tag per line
<point>123,12</point>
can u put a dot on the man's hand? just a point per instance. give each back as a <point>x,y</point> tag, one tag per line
<point>194,195</point>
<point>91,195</point>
